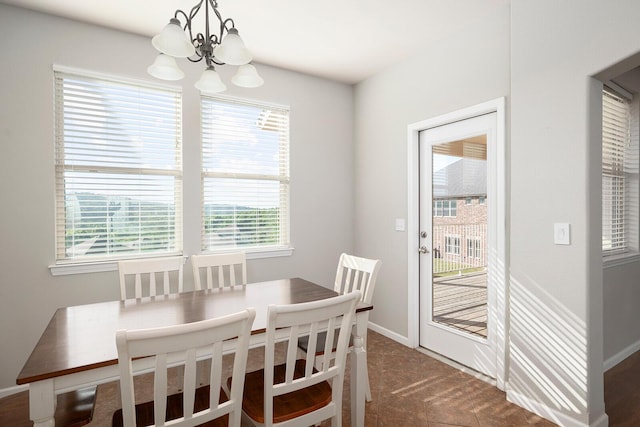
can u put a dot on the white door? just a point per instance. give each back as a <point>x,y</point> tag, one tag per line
<point>457,222</point>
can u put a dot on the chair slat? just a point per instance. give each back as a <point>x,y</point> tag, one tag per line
<point>179,344</point>
<point>224,264</point>
<point>294,389</point>
<point>144,272</point>
<point>160,387</point>
<point>353,273</point>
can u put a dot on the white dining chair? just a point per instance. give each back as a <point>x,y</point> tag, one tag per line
<point>138,277</point>
<point>353,273</point>
<point>297,393</point>
<point>182,345</point>
<point>219,270</point>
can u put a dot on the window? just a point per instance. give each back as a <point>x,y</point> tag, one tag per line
<point>118,149</point>
<point>445,208</point>
<point>473,247</point>
<point>245,175</point>
<point>452,245</point>
<point>619,173</point>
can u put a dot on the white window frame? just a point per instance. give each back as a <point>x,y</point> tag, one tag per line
<point>452,242</point>
<point>71,166</point>
<point>210,132</point>
<point>621,128</point>
<point>474,247</point>
<point>446,208</point>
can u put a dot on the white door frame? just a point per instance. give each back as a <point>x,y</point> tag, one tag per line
<point>413,194</point>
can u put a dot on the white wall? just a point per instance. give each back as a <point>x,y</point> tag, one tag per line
<point>321,169</point>
<point>465,69</point>
<point>557,310</point>
<point>557,291</point>
<point>621,289</point>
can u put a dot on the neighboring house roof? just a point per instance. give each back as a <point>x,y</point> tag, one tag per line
<point>463,178</point>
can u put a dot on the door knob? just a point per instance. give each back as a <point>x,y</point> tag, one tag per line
<point>423,250</point>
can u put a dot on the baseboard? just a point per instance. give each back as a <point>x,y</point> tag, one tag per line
<point>4,392</point>
<point>389,334</point>
<point>552,414</point>
<point>619,357</point>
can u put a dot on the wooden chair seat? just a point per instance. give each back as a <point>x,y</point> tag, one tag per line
<point>74,408</point>
<point>286,406</point>
<point>354,273</point>
<point>178,346</point>
<point>303,343</point>
<point>144,411</point>
<point>300,392</point>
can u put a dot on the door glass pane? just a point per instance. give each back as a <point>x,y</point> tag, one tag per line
<point>460,235</point>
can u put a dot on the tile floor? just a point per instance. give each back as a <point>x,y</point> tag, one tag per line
<point>413,389</point>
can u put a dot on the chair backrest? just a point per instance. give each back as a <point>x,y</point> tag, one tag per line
<point>355,273</point>
<point>179,345</point>
<point>144,272</point>
<point>219,269</point>
<point>290,322</point>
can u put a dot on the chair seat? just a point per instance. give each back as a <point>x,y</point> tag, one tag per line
<point>303,343</point>
<point>144,411</point>
<point>286,406</point>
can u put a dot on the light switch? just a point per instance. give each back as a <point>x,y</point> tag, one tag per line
<point>561,233</point>
<point>399,224</point>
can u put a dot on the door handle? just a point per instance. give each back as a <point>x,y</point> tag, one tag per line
<point>423,250</point>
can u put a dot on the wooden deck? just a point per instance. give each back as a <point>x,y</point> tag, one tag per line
<point>461,302</point>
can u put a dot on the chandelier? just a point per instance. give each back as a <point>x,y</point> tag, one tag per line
<point>217,48</point>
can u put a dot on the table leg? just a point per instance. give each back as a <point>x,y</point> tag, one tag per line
<point>358,372</point>
<point>42,403</point>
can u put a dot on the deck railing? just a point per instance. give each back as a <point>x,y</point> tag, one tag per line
<point>458,248</point>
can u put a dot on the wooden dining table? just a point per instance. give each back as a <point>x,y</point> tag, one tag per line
<point>78,348</point>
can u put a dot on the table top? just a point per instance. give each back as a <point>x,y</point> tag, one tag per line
<point>82,337</point>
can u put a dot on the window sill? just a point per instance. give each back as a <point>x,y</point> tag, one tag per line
<point>620,259</point>
<point>102,266</point>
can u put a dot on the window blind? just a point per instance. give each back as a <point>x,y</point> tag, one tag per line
<point>118,169</point>
<point>245,175</point>
<point>616,131</point>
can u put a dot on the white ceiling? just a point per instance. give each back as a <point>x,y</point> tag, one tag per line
<point>343,40</point>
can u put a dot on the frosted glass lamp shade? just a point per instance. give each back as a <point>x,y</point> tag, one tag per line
<point>210,82</point>
<point>174,41</point>
<point>247,76</point>
<point>232,50</point>
<point>165,68</point>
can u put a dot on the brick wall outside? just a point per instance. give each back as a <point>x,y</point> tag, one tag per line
<point>470,223</point>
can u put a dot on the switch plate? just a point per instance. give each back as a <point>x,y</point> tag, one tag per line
<point>562,233</point>
<point>399,224</point>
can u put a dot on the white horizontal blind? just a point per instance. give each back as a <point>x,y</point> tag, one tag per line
<point>118,169</point>
<point>245,175</point>
<point>615,143</point>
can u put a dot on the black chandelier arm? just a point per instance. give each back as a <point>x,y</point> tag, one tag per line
<point>205,43</point>
<point>224,27</point>
<point>204,49</point>
<point>198,42</point>
<point>194,11</point>
<point>223,22</point>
